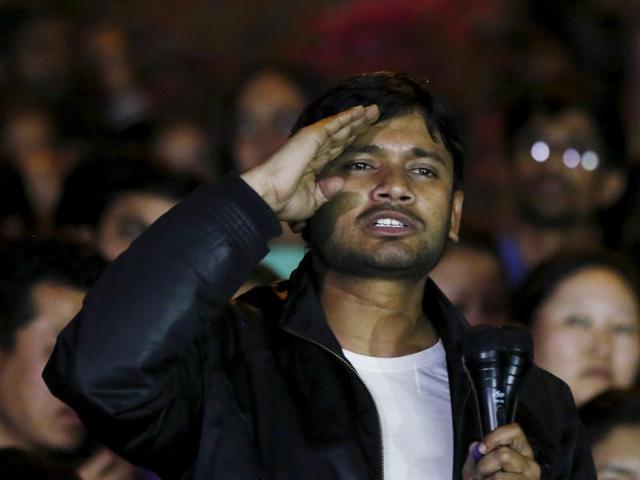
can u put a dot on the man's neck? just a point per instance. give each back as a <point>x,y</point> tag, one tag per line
<point>376,316</point>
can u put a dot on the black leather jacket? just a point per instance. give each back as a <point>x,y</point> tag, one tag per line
<point>168,373</point>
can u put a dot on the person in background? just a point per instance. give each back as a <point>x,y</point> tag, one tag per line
<point>583,310</point>
<point>567,162</point>
<point>471,275</point>
<point>261,112</point>
<point>33,147</point>
<point>109,201</point>
<point>612,422</point>
<point>184,146</point>
<point>42,284</point>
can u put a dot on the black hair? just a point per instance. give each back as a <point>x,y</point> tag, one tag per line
<point>541,282</point>
<point>396,94</point>
<point>609,410</point>
<point>26,262</point>
<point>96,182</point>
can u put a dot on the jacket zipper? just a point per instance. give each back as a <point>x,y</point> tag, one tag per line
<point>355,372</point>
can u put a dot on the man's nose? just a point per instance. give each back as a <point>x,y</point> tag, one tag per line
<point>393,186</point>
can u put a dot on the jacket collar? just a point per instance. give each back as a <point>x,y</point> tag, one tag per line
<point>304,316</point>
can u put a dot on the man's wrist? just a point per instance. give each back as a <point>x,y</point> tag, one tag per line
<point>255,179</point>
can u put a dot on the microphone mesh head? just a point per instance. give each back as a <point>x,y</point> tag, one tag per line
<point>508,338</point>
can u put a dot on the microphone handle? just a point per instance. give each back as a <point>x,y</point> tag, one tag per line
<point>492,401</point>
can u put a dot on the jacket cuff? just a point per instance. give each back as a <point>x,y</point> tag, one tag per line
<point>254,207</point>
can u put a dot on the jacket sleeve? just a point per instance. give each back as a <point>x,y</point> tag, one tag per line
<point>131,361</point>
<point>554,429</point>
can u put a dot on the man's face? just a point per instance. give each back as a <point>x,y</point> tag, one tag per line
<point>30,416</point>
<point>557,176</point>
<point>397,208</point>
<point>127,217</point>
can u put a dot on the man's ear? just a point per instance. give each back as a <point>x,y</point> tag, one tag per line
<point>456,215</point>
<point>612,185</point>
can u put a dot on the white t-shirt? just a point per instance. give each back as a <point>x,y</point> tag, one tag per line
<point>412,397</point>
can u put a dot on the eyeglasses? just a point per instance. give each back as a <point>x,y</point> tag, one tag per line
<point>571,157</point>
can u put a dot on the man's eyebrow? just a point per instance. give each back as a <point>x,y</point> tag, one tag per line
<point>422,153</point>
<point>416,151</point>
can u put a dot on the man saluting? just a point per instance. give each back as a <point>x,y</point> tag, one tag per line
<point>349,370</point>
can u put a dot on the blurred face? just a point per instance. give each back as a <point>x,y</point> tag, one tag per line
<point>617,456</point>
<point>28,134</point>
<point>395,212</point>
<point>587,333</point>
<point>472,280</point>
<point>30,417</point>
<point>266,110</point>
<point>184,147</point>
<point>557,168</point>
<point>126,217</point>
<point>43,56</point>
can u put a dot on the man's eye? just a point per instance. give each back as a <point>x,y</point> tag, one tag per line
<point>357,166</point>
<point>424,171</point>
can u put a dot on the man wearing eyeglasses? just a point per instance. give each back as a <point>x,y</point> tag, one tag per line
<point>566,161</point>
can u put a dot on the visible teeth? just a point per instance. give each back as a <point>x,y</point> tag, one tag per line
<point>388,222</point>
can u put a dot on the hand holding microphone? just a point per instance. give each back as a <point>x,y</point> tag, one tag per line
<point>496,360</point>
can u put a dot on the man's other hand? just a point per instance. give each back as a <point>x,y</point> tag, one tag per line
<point>505,455</point>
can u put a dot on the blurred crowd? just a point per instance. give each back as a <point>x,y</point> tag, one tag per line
<point>94,147</point>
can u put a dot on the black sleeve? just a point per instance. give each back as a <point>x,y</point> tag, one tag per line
<point>554,430</point>
<point>131,362</point>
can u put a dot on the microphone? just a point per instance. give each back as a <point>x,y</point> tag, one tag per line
<point>496,359</point>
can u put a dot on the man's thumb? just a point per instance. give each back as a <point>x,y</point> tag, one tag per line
<point>330,186</point>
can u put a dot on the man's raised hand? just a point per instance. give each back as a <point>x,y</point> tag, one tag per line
<point>288,181</point>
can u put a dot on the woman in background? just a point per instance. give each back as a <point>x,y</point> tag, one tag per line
<point>583,310</point>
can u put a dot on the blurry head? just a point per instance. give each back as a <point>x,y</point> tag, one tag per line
<point>116,199</point>
<point>42,284</point>
<point>127,214</point>
<point>185,146</point>
<point>470,275</point>
<point>31,144</point>
<point>566,162</point>
<point>263,110</point>
<point>612,422</point>
<point>583,311</point>
<point>39,50</point>
<point>28,131</point>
